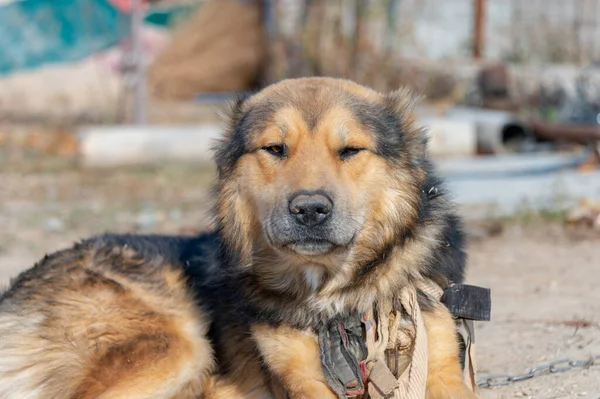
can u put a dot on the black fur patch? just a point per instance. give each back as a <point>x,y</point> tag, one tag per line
<point>384,124</point>
<point>243,125</point>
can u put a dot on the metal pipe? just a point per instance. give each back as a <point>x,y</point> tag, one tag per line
<point>576,133</point>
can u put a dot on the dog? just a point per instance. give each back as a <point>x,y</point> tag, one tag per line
<point>325,205</point>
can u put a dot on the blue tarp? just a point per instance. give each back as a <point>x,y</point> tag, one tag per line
<point>36,32</point>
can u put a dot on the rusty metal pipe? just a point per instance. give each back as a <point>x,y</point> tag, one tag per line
<point>582,134</point>
<point>478,28</point>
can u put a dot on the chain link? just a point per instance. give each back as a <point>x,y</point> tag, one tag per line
<point>559,366</point>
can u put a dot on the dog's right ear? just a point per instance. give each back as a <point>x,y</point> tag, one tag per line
<point>233,113</point>
<point>226,150</point>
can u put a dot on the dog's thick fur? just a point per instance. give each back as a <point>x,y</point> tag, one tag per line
<point>326,204</point>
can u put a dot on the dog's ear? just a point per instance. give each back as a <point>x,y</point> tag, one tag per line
<point>230,119</point>
<point>402,103</point>
<point>236,110</point>
<point>403,100</point>
<point>232,113</point>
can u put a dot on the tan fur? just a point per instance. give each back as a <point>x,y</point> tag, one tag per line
<point>444,379</point>
<point>86,331</point>
<point>245,377</point>
<point>293,356</point>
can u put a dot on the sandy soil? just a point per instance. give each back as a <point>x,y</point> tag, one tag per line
<point>544,280</point>
<point>546,307</point>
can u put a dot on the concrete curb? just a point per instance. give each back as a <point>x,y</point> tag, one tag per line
<point>110,146</point>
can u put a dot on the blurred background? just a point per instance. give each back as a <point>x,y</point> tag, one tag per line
<point>108,110</point>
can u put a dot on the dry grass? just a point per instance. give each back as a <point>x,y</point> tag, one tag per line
<point>220,48</point>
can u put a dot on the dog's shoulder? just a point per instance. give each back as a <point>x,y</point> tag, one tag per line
<point>197,256</point>
<point>448,259</point>
<point>134,256</point>
<point>169,248</point>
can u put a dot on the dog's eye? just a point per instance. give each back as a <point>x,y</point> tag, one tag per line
<point>275,150</point>
<point>348,152</point>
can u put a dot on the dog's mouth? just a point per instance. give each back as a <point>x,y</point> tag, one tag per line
<point>321,240</point>
<point>311,247</point>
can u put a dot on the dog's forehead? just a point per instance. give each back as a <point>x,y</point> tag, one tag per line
<point>315,89</point>
<point>310,103</point>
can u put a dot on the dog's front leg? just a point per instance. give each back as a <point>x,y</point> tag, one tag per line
<point>293,356</point>
<point>444,374</point>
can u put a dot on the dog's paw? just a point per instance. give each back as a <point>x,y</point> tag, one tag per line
<point>320,394</point>
<point>449,391</point>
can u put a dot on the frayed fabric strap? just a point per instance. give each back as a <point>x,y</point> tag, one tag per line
<point>401,330</point>
<point>387,352</point>
<point>412,381</point>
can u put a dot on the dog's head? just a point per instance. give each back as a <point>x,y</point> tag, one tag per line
<point>319,171</point>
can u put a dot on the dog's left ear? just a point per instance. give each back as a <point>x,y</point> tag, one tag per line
<point>402,103</point>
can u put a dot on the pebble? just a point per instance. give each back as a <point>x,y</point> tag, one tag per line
<point>54,224</point>
<point>146,220</point>
<point>175,214</point>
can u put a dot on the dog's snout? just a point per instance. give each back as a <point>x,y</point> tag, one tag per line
<point>310,209</point>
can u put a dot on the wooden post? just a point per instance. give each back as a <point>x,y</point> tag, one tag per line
<point>139,73</point>
<point>478,33</point>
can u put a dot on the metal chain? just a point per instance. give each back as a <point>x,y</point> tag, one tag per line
<point>559,366</point>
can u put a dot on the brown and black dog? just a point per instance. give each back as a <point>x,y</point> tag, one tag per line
<point>324,207</point>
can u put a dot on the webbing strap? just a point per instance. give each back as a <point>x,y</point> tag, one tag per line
<point>468,302</point>
<point>466,329</point>
<point>342,347</point>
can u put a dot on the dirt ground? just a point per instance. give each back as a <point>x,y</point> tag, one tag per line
<point>545,281</point>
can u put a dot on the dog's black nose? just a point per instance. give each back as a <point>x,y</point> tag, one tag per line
<point>310,210</point>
